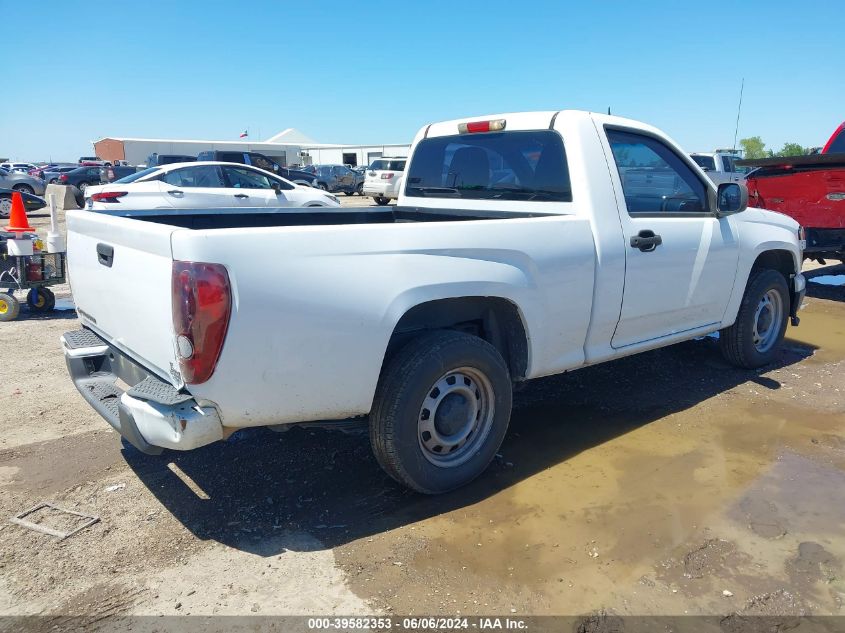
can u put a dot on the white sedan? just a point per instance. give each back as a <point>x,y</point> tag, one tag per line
<point>204,185</point>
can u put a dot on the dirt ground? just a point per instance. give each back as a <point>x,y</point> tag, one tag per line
<point>665,483</point>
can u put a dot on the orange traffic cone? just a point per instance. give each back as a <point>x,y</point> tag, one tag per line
<point>18,222</point>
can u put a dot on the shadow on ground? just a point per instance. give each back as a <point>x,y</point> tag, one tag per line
<point>260,484</point>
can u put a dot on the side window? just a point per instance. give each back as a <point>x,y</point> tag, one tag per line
<point>242,178</point>
<point>94,171</point>
<point>728,163</point>
<point>231,157</point>
<point>654,179</point>
<point>199,176</point>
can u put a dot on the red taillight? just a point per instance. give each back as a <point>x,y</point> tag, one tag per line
<point>387,176</point>
<point>202,303</point>
<point>108,196</point>
<point>496,125</point>
<point>63,177</point>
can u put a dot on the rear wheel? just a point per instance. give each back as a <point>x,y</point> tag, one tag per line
<point>441,411</point>
<point>360,189</point>
<point>41,299</point>
<point>753,340</point>
<point>381,200</point>
<point>10,307</point>
<point>322,185</point>
<point>23,188</point>
<point>5,206</point>
<point>82,186</point>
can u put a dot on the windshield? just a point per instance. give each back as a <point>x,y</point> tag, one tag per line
<point>522,165</point>
<point>138,175</point>
<point>707,163</point>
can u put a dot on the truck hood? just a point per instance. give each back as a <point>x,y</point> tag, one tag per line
<point>753,215</point>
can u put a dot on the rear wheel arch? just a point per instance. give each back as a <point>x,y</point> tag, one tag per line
<point>493,319</point>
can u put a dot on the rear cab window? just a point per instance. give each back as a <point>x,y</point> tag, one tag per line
<point>515,165</point>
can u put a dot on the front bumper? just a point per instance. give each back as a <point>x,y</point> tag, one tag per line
<point>151,414</point>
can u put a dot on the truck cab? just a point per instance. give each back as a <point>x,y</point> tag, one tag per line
<point>720,166</point>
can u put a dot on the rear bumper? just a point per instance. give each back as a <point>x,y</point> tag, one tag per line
<point>151,414</point>
<point>385,190</point>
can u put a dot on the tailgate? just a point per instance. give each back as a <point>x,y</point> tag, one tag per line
<point>120,274</point>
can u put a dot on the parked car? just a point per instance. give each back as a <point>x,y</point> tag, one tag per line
<point>51,176</point>
<point>91,160</point>
<point>17,168</point>
<point>30,202</point>
<point>81,177</point>
<point>245,158</point>
<point>204,184</point>
<point>384,178</point>
<point>339,178</point>
<point>720,166</point>
<point>522,246</point>
<point>39,170</point>
<point>21,182</point>
<point>115,172</point>
<point>297,176</point>
<point>157,160</point>
<point>810,189</point>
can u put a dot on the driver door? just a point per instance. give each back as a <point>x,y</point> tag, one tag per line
<point>680,259</point>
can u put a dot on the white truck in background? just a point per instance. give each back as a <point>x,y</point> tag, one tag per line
<point>720,166</point>
<point>522,245</point>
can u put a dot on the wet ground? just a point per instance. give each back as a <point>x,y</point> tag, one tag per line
<point>665,483</point>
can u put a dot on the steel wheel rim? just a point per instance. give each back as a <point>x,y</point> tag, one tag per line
<point>82,187</point>
<point>768,319</point>
<point>5,207</point>
<point>456,417</point>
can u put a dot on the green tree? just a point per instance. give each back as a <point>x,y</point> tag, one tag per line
<point>754,147</point>
<point>792,149</point>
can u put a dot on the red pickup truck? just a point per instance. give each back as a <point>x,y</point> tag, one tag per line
<point>810,189</point>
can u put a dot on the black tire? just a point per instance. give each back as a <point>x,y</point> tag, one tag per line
<point>360,189</point>
<point>737,342</point>
<point>5,205</point>
<point>348,193</point>
<point>82,186</point>
<point>381,201</point>
<point>323,186</point>
<point>40,299</point>
<point>24,188</point>
<point>10,307</point>
<point>53,181</point>
<point>411,377</point>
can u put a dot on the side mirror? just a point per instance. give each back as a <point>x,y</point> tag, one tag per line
<point>277,187</point>
<point>731,198</point>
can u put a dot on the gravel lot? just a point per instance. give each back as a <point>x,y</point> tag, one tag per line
<point>665,483</point>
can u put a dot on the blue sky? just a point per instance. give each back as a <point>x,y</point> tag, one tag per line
<point>374,72</point>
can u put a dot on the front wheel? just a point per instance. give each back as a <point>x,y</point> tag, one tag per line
<point>753,340</point>
<point>24,189</point>
<point>381,200</point>
<point>10,307</point>
<point>360,189</point>
<point>441,411</point>
<point>5,206</point>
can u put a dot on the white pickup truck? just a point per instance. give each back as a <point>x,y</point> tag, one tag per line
<point>522,245</point>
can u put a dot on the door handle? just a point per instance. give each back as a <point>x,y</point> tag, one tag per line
<point>646,241</point>
<point>176,192</point>
<point>105,255</point>
<point>241,195</point>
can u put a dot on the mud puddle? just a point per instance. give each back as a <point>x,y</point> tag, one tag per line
<point>668,483</point>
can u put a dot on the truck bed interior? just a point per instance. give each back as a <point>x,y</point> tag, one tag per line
<point>200,219</point>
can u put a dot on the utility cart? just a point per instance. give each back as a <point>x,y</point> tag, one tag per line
<point>33,274</point>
